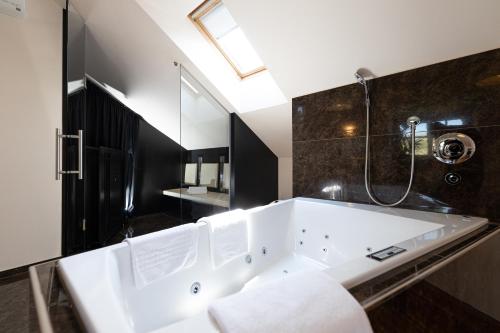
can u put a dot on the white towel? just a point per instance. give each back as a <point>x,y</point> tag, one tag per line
<point>300,303</point>
<point>228,236</point>
<point>160,254</point>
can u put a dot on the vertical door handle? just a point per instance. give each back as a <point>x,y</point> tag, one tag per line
<point>80,154</point>
<point>58,153</point>
<point>59,138</point>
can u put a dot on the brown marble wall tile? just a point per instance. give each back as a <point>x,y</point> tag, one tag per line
<point>330,114</point>
<point>334,169</point>
<point>457,95</point>
<point>390,174</point>
<point>329,169</point>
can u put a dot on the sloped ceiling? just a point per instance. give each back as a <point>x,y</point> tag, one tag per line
<point>315,45</point>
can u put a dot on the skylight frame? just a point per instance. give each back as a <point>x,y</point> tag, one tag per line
<point>196,15</point>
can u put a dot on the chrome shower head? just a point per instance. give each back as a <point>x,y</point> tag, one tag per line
<point>359,78</point>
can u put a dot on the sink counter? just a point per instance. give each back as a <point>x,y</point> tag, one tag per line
<point>209,198</point>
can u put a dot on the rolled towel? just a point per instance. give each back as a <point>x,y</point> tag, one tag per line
<point>299,303</point>
<point>160,254</point>
<point>228,236</point>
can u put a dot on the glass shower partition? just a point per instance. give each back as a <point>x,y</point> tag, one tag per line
<point>204,140</point>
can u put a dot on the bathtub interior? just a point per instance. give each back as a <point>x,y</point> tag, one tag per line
<point>170,299</point>
<point>334,234</point>
<point>285,238</point>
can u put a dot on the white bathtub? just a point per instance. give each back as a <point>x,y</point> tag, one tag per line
<point>298,234</point>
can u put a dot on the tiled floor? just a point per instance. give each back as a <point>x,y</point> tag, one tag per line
<point>14,303</point>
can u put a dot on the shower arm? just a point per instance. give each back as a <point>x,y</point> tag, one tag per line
<point>412,121</point>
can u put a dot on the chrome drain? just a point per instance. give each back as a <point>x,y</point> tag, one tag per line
<point>195,288</point>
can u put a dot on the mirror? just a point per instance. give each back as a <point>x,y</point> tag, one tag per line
<point>205,151</point>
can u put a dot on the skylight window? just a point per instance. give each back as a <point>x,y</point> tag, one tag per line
<point>214,20</point>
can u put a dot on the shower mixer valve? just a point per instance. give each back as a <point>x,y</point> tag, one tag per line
<point>453,148</point>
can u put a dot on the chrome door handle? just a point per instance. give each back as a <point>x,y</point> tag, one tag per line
<point>80,154</point>
<point>59,138</point>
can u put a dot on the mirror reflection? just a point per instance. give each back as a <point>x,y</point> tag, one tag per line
<point>205,153</point>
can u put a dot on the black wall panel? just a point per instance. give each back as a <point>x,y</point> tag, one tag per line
<point>254,168</point>
<point>157,168</point>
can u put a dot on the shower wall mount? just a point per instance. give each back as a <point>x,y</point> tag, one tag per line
<point>453,148</point>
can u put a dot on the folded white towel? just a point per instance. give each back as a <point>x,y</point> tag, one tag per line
<point>228,236</point>
<point>159,254</point>
<point>300,303</point>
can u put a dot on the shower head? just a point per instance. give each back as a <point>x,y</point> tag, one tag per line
<point>359,78</point>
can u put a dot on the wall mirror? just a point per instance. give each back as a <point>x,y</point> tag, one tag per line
<point>205,151</point>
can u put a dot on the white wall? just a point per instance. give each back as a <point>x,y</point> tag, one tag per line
<point>274,127</point>
<point>285,178</point>
<point>30,111</point>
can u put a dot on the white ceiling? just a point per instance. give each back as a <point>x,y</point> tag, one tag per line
<point>315,45</point>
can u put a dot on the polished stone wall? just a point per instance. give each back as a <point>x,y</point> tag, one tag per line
<point>461,95</point>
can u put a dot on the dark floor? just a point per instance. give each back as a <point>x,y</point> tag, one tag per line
<point>14,302</point>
